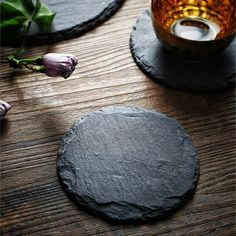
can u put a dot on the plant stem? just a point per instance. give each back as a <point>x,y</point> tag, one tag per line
<point>35,68</point>
<point>24,37</point>
<point>26,32</point>
<point>30,60</point>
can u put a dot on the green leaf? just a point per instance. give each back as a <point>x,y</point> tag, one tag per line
<point>44,16</point>
<point>18,14</point>
<point>16,21</point>
<point>13,8</point>
<point>29,5</point>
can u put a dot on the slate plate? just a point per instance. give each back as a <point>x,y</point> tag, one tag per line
<point>164,67</point>
<point>128,164</point>
<point>73,18</point>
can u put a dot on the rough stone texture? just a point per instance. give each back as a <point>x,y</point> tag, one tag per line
<point>164,67</point>
<point>128,164</point>
<point>73,18</point>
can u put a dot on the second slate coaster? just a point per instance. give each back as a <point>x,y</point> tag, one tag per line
<point>202,76</point>
<point>72,19</point>
<point>128,164</point>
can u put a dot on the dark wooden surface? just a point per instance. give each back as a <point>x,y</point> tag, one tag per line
<point>32,200</point>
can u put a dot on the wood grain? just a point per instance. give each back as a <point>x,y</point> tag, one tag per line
<point>32,200</point>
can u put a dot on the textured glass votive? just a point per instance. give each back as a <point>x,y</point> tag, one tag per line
<point>195,28</point>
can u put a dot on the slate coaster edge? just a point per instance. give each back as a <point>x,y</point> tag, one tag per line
<point>145,69</point>
<point>76,31</point>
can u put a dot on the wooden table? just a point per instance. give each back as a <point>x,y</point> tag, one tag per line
<point>32,199</point>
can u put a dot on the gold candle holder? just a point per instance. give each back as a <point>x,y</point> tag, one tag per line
<point>194,28</point>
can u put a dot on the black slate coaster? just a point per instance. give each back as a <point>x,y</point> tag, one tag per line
<point>164,67</point>
<point>128,164</point>
<point>73,18</point>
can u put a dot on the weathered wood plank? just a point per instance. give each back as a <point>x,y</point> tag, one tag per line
<point>32,200</point>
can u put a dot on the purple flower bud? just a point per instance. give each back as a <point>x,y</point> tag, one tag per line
<point>59,64</point>
<point>4,108</point>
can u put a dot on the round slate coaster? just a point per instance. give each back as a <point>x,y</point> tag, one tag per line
<point>73,18</point>
<point>164,67</point>
<point>128,164</point>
